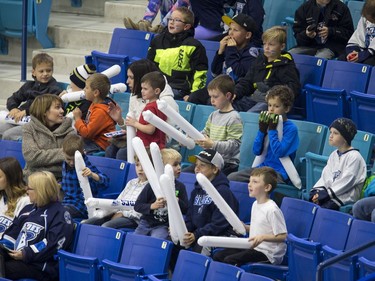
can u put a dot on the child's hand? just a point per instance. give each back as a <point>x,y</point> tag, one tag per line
<point>114,110</point>
<point>256,240</point>
<point>117,215</point>
<point>189,238</point>
<point>274,120</point>
<point>16,255</point>
<point>206,143</point>
<point>19,115</point>
<point>158,204</point>
<point>323,32</point>
<point>63,93</point>
<point>186,98</point>
<point>352,57</point>
<point>263,121</point>
<point>315,199</point>
<point>310,32</point>
<point>130,121</point>
<point>223,44</point>
<point>86,172</point>
<point>77,113</point>
<point>231,42</point>
<point>13,112</point>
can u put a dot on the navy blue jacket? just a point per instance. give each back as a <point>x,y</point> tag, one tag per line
<point>203,216</point>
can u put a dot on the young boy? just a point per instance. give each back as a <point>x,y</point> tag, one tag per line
<point>273,67</point>
<point>267,231</point>
<point>361,46</point>
<point>78,79</point>
<point>154,220</point>
<point>280,100</point>
<point>19,102</point>
<point>179,56</point>
<point>343,177</point>
<point>152,85</point>
<point>223,130</point>
<point>97,122</point>
<point>124,218</point>
<point>237,50</point>
<point>73,199</point>
<point>203,216</point>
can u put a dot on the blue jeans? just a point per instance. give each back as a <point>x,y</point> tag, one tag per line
<point>113,223</point>
<point>159,231</point>
<point>364,209</point>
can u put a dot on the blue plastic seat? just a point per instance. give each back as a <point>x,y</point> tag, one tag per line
<point>116,170</point>
<point>218,271</point>
<point>311,138</point>
<point>188,179</point>
<point>127,46</point>
<point>362,110</point>
<point>141,255</point>
<point>355,8</point>
<point>246,276</point>
<point>37,21</point>
<point>330,228</point>
<point>190,266</point>
<point>250,128</point>
<point>366,267</point>
<point>245,202</point>
<point>326,103</point>
<point>311,71</point>
<point>12,149</point>
<point>211,49</point>
<point>94,244</point>
<point>361,232</point>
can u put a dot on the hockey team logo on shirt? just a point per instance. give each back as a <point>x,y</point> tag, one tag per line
<point>28,233</point>
<point>4,223</point>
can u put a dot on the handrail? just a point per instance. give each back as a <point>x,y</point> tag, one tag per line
<point>330,261</point>
<point>24,40</point>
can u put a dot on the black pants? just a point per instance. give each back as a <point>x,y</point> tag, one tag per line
<point>239,257</point>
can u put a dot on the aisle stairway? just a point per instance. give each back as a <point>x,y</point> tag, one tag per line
<point>75,32</point>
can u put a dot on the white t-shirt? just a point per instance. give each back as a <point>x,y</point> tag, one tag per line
<point>6,221</point>
<point>267,218</point>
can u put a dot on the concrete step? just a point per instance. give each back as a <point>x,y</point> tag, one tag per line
<point>117,10</point>
<point>89,7</point>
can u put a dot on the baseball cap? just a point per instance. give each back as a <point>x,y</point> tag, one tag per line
<point>243,20</point>
<point>211,156</point>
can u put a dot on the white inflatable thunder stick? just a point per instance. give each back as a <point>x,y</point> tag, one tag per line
<point>157,159</point>
<point>109,204</point>
<point>168,170</point>
<point>174,212</point>
<point>171,217</point>
<point>79,164</point>
<point>112,71</point>
<point>168,129</point>
<point>130,134</point>
<point>179,120</point>
<point>225,242</point>
<point>80,95</point>
<point>223,206</point>
<point>140,150</point>
<point>5,119</point>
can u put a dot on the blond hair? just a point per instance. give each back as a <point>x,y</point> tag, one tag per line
<point>170,154</point>
<point>275,33</point>
<point>45,187</point>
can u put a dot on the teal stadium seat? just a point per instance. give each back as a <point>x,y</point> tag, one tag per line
<point>250,127</point>
<point>123,100</point>
<point>37,21</point>
<point>127,45</point>
<point>355,8</point>
<point>276,11</point>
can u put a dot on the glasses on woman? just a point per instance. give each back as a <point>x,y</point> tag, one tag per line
<point>176,20</point>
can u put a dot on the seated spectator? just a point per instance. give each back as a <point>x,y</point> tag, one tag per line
<point>179,56</point>
<point>43,136</point>
<point>273,67</point>
<point>322,28</point>
<point>364,209</point>
<point>41,229</point>
<point>361,46</point>
<point>343,177</point>
<point>97,122</point>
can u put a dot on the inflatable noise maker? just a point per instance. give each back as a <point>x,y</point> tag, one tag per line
<point>224,208</point>
<point>115,88</point>
<point>140,151</point>
<point>285,161</point>
<point>225,242</point>
<point>84,183</point>
<point>130,134</point>
<point>4,118</point>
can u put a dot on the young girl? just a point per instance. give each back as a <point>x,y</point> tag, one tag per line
<point>13,195</point>
<point>135,73</point>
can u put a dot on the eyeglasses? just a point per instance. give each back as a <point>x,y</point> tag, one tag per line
<point>175,20</point>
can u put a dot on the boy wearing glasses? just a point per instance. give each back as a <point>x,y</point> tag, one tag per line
<point>180,57</point>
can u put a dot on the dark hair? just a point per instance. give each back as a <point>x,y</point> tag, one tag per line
<point>368,11</point>
<point>16,186</point>
<point>139,69</point>
<point>284,93</point>
<point>223,83</point>
<point>41,58</point>
<point>71,144</point>
<point>269,176</point>
<point>155,79</point>
<point>100,82</point>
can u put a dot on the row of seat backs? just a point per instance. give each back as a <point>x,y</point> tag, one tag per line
<point>106,253</point>
<point>10,148</point>
<point>38,13</point>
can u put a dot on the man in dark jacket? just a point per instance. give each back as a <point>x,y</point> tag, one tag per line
<point>322,28</point>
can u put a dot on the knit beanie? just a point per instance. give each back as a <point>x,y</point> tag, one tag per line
<point>79,74</point>
<point>346,127</point>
